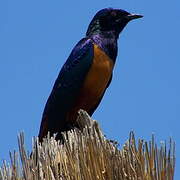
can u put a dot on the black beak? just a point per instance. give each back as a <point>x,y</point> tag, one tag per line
<point>133,16</point>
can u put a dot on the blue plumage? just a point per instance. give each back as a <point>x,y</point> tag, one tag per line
<point>78,81</point>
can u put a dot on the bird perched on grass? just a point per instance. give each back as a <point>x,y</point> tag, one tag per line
<point>86,74</point>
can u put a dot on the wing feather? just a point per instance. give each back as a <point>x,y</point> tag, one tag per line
<point>66,88</point>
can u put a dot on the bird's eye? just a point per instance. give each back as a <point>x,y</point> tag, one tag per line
<point>113,13</point>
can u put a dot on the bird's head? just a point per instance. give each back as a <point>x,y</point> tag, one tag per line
<point>110,20</point>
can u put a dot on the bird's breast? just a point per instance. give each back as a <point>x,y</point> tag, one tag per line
<point>98,75</point>
<point>94,84</point>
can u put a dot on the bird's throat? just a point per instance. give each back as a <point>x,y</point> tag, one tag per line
<point>107,42</point>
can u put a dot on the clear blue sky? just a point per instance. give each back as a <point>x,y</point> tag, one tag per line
<point>36,38</point>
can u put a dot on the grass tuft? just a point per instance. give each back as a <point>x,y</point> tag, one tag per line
<point>88,155</point>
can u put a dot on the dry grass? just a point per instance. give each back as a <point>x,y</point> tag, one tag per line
<point>88,155</point>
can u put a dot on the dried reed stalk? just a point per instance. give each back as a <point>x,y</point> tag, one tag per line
<point>88,155</point>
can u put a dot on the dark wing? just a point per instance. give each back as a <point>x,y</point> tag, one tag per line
<point>66,88</point>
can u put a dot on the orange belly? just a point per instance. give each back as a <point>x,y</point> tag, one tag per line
<point>94,84</point>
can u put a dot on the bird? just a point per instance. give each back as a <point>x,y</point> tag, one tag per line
<point>86,74</point>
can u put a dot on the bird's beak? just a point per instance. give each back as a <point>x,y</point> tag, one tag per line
<point>133,16</point>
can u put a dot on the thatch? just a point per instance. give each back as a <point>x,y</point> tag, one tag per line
<point>88,155</point>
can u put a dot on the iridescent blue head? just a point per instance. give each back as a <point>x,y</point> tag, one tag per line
<point>110,20</point>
